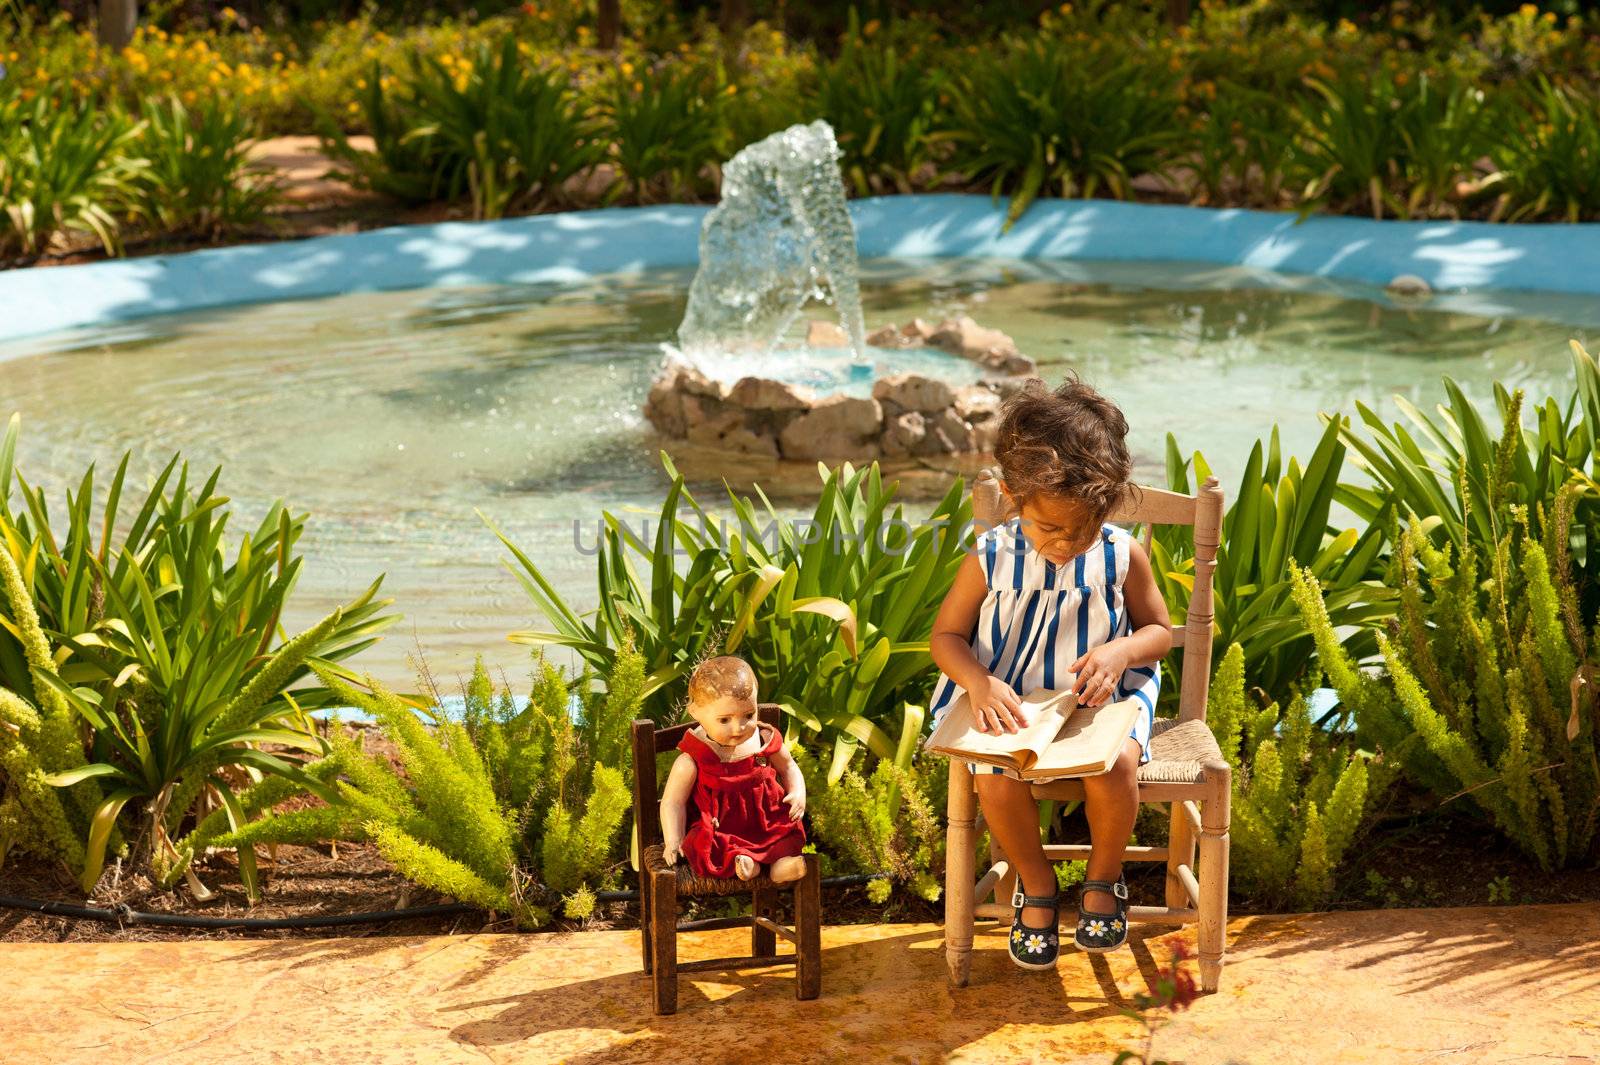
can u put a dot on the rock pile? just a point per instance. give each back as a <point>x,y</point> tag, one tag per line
<point>907,415</point>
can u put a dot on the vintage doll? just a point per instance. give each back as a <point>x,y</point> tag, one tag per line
<point>1057,596</point>
<point>748,792</point>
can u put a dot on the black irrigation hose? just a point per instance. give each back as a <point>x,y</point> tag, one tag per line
<point>122,913</point>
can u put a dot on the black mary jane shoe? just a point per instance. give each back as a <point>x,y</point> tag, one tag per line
<point>1100,932</point>
<point>1030,947</point>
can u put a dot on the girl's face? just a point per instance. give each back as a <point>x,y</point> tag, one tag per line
<point>1059,527</point>
<point>727,720</point>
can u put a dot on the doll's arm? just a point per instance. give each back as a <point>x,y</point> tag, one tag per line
<point>794,784</point>
<point>675,806</point>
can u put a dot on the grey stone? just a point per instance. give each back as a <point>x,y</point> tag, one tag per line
<point>967,338</point>
<point>761,393</point>
<point>912,391</point>
<point>838,427</point>
<point>904,435</point>
<point>976,404</point>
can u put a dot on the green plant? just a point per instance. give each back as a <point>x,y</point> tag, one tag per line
<point>886,821</point>
<point>1299,795</point>
<point>167,658</point>
<point>63,169</point>
<point>1487,679</point>
<point>883,108</point>
<point>1351,146</point>
<point>500,130</point>
<point>1547,159</point>
<point>1455,471</point>
<point>37,738</point>
<point>832,613</point>
<point>1036,115</point>
<point>1277,516</point>
<point>663,128</point>
<point>198,177</point>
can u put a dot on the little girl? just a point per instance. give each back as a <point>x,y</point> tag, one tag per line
<point>1057,597</point>
<point>748,792</point>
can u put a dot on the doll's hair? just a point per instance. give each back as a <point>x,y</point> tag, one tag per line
<point>1070,441</point>
<point>722,675</point>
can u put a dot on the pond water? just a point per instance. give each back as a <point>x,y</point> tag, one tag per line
<point>392,417</point>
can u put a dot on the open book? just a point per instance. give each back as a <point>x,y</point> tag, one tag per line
<point>1062,738</point>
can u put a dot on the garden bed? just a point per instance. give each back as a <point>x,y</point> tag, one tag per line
<point>1439,851</point>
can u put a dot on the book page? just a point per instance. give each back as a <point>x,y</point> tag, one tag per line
<point>1045,710</point>
<point>1089,742</point>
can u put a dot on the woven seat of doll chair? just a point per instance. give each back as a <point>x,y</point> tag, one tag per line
<point>691,885</point>
<point>661,886</point>
<point>1186,769</point>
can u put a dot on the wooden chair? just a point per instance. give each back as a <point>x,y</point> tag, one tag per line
<point>1186,767</point>
<point>661,886</point>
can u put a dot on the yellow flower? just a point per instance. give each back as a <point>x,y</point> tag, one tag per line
<point>870,28</point>
<point>627,70</point>
<point>1528,10</point>
<point>731,89</point>
<point>1346,26</point>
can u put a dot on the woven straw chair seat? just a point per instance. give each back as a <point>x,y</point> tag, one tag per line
<point>689,884</point>
<point>1179,752</point>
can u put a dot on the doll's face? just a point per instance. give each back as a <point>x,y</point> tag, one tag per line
<point>727,720</point>
<point>1058,526</point>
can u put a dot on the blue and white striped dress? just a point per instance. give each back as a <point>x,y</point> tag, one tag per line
<point>1039,617</point>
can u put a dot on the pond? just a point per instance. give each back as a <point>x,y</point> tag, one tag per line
<point>390,417</point>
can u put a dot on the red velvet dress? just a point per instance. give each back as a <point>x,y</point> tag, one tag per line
<point>738,809</point>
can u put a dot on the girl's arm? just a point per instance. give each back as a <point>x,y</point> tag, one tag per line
<point>675,806</point>
<point>995,705</point>
<point>1098,669</point>
<point>794,784</point>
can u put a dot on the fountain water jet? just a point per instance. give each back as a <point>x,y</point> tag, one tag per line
<point>781,237</point>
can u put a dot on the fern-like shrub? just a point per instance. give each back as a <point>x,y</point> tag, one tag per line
<point>1489,685</point>
<point>888,821</point>
<point>1299,795</point>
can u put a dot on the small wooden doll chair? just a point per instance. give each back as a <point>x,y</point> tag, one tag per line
<point>661,886</point>
<point>1186,767</point>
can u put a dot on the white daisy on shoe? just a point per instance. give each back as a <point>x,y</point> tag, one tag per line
<point>1035,943</point>
<point>1096,927</point>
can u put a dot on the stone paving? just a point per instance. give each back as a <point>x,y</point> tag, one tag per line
<point>1464,985</point>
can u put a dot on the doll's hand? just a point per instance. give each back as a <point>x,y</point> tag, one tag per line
<point>670,852</point>
<point>1098,671</point>
<point>797,804</point>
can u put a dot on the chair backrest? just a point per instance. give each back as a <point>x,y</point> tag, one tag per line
<point>649,741</point>
<point>1149,506</point>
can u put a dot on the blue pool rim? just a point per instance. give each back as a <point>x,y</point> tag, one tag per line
<point>577,246</point>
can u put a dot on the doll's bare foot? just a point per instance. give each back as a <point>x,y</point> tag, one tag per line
<point>787,869</point>
<point>746,867</point>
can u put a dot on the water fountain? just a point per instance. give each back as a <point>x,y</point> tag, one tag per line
<point>781,238</point>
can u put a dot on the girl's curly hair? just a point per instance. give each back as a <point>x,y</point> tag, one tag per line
<point>1069,441</point>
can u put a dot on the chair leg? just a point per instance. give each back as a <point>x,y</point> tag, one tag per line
<point>1180,851</point>
<point>644,917</point>
<point>664,939</point>
<point>959,858</point>
<point>764,903</point>
<point>1213,875</point>
<point>808,930</point>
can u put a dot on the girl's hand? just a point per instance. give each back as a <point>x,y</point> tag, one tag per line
<point>995,706</point>
<point>1098,671</point>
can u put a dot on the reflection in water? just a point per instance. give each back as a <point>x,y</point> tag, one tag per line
<point>391,416</point>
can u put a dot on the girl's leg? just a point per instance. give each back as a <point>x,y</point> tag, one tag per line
<point>1013,817</point>
<point>1111,803</point>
